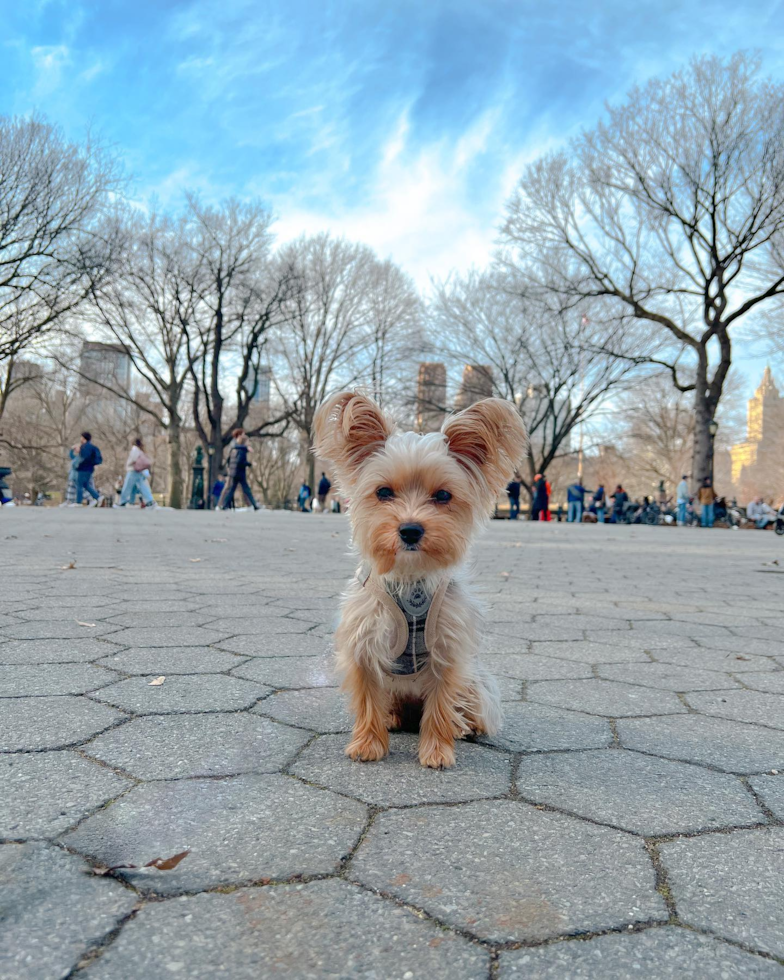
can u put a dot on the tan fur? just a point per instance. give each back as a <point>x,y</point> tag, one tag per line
<point>473,459</point>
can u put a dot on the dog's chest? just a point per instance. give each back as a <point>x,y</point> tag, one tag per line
<point>415,606</point>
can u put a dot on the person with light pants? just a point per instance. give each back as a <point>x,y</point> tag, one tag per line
<point>135,481</point>
<point>683,499</point>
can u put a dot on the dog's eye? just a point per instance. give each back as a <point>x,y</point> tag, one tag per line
<point>442,496</point>
<point>385,493</point>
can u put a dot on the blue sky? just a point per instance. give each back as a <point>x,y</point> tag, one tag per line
<point>402,124</point>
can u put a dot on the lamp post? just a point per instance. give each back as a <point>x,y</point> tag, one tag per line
<point>713,428</point>
<point>197,486</point>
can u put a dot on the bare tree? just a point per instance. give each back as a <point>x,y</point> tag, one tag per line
<point>147,306</point>
<point>395,323</point>
<point>672,214</point>
<point>55,238</point>
<point>240,301</point>
<point>548,363</point>
<point>327,326</point>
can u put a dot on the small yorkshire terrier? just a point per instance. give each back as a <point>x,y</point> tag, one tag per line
<point>408,628</point>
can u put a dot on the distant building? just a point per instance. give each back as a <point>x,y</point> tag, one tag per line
<point>477,384</point>
<point>263,389</point>
<point>105,375</point>
<point>758,463</point>
<point>431,397</point>
<point>104,366</point>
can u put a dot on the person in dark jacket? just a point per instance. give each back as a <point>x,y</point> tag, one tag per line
<point>324,486</point>
<point>513,490</point>
<point>89,458</point>
<point>238,472</point>
<point>540,498</point>
<point>620,499</point>
<point>575,497</point>
<point>304,496</point>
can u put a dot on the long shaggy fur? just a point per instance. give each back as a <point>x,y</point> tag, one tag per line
<point>473,458</point>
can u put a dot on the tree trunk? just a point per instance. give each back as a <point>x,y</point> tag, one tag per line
<point>175,465</point>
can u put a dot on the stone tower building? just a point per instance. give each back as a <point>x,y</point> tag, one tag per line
<point>477,384</point>
<point>431,397</point>
<point>758,463</point>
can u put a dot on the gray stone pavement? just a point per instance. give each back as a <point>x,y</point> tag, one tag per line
<point>628,821</point>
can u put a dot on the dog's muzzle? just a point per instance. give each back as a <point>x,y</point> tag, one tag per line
<point>411,535</point>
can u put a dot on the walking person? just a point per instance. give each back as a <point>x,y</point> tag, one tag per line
<point>682,496</point>
<point>600,502</point>
<point>238,472</point>
<point>540,500</point>
<point>620,499</point>
<point>513,491</point>
<point>575,498</point>
<point>303,497</point>
<point>89,458</point>
<point>707,500</point>
<point>70,490</point>
<point>137,466</point>
<point>324,486</point>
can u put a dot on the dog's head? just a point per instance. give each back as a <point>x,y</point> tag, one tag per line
<point>417,499</point>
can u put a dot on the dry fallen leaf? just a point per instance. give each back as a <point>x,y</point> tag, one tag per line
<point>80,623</point>
<point>194,559</point>
<point>217,539</point>
<point>504,574</point>
<point>162,864</point>
<point>157,681</point>
<point>167,864</point>
<point>71,564</point>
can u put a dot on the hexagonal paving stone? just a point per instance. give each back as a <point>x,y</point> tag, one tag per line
<point>770,683</point>
<point>726,661</point>
<point>511,641</point>
<point>606,698</point>
<point>399,779</point>
<point>174,636</point>
<point>258,626</point>
<point>731,885</point>
<point>176,746</point>
<point>43,794</point>
<point>294,672</point>
<point>751,706</point>
<point>593,653</point>
<point>320,709</point>
<point>164,618</point>
<point>667,677</point>
<point>635,792</point>
<point>183,692</point>
<point>746,645</point>
<point>506,871</point>
<point>529,667</point>
<point>51,723</point>
<point>538,728</point>
<point>322,929</point>
<point>173,660</point>
<point>581,621</point>
<point>58,630</point>
<point>771,791</point>
<point>238,830</point>
<point>53,912</point>
<point>664,627</point>
<point>34,680</point>
<point>726,745</point>
<point>676,953</point>
<point>280,645</point>
<point>54,651</point>
<point>637,640</point>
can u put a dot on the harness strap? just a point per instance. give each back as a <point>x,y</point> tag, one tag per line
<point>399,638</point>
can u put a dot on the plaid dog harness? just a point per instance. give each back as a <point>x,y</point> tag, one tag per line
<point>415,618</point>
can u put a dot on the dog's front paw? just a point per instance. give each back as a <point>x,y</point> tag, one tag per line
<point>438,756</point>
<point>367,749</point>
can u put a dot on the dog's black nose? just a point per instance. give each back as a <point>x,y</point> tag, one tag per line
<point>411,533</point>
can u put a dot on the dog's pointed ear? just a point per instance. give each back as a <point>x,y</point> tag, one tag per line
<point>488,439</point>
<point>347,429</point>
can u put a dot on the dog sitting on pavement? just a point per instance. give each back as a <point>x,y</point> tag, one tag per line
<point>409,625</point>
